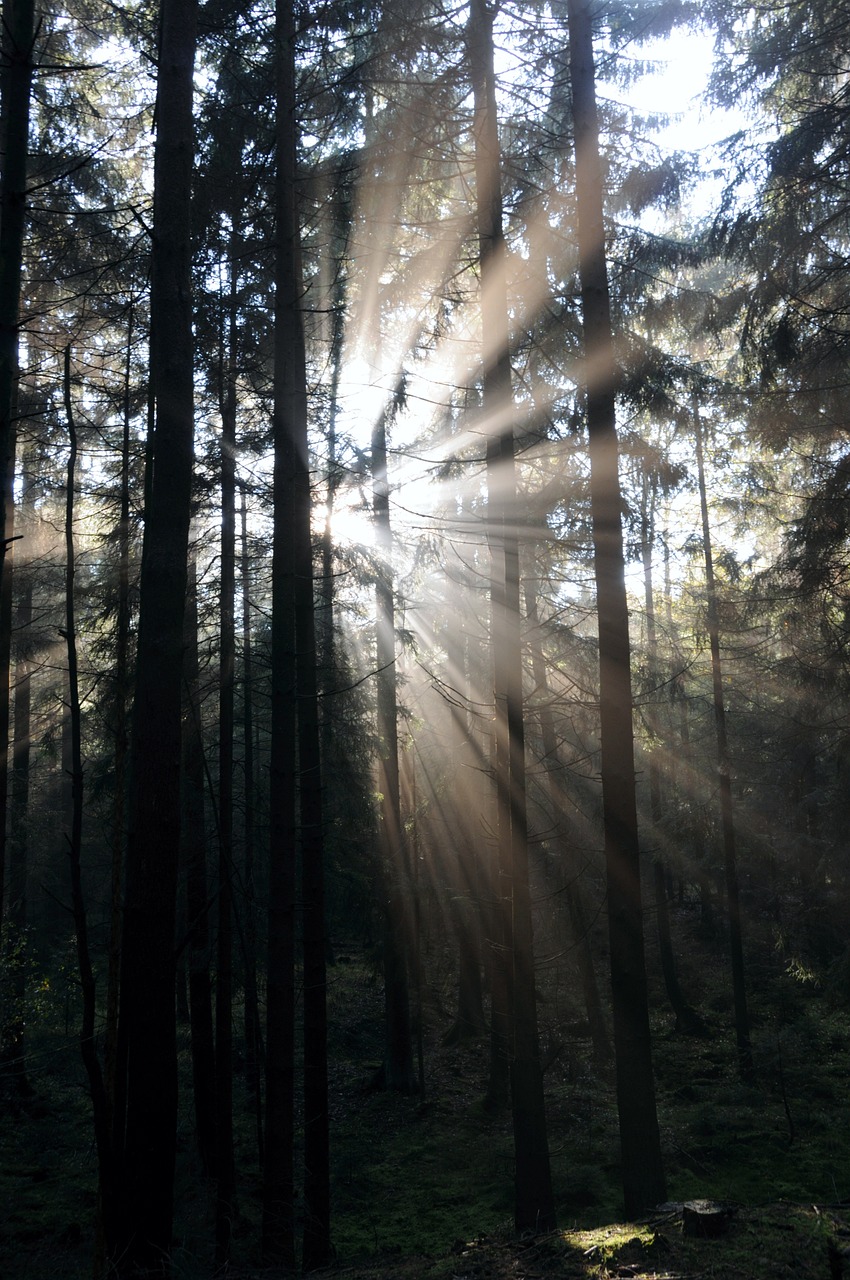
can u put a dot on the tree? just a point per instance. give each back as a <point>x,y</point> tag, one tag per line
<point>194,859</point>
<point>643,1175</point>
<point>534,1207</point>
<point>398,1060</point>
<point>730,861</point>
<point>294,706</point>
<point>146,1106</point>
<point>16,71</point>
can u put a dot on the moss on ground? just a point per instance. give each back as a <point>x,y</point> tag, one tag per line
<point>422,1187</point>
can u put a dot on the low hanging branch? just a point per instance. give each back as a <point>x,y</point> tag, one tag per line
<point>88,1046</point>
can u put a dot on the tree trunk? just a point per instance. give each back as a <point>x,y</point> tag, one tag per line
<point>225,1170</point>
<point>147,1138</point>
<point>194,858</point>
<point>74,836</point>
<point>534,1207</point>
<point>253,1038</point>
<point>558,803</point>
<point>733,904</point>
<point>14,1045</point>
<point>294,685</point>
<point>687,1019</point>
<point>15,85</point>
<point>398,1056</point>
<point>121,685</point>
<point>643,1174</point>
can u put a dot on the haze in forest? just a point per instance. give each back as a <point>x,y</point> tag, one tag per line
<point>424,699</point>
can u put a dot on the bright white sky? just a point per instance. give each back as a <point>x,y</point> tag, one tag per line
<point>684,66</point>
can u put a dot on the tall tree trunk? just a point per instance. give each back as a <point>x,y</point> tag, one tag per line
<point>278,1169</point>
<point>15,84</point>
<point>147,1137</point>
<point>558,803</point>
<point>74,836</point>
<point>121,683</point>
<point>724,778</point>
<point>534,1207</point>
<point>253,1038</point>
<point>14,1046</point>
<point>294,685</point>
<point>687,1019</point>
<point>398,1056</point>
<point>193,844</point>
<point>465,887</point>
<point>643,1173</point>
<point>225,1170</point>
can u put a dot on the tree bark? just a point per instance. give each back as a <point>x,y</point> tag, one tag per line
<point>253,1037</point>
<point>148,1129</point>
<point>14,1031</point>
<point>225,1170</point>
<point>534,1207</point>
<point>746,1069</point>
<point>558,803</point>
<point>74,837</point>
<point>687,1019</point>
<point>15,85</point>
<point>398,1056</point>
<point>294,686</point>
<point>121,685</point>
<point>643,1174</point>
<point>194,858</point>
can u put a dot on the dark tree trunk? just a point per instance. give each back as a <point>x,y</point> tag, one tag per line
<point>316,1244</point>
<point>643,1174</point>
<point>558,804</point>
<point>398,1056</point>
<point>74,837</point>
<point>121,686</point>
<point>534,1207</point>
<point>294,684</point>
<point>15,84</point>
<point>253,1037</point>
<point>194,859</point>
<point>465,890</point>
<point>14,1046</point>
<point>724,778</point>
<point>225,1170</point>
<point>687,1019</point>
<point>147,1136</point>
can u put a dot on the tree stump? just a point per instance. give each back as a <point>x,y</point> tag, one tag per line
<point>705,1219</point>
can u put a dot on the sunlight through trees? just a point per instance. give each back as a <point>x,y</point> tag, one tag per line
<point>424,698</point>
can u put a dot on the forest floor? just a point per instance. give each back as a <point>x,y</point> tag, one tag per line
<point>422,1185</point>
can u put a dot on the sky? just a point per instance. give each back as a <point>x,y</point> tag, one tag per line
<point>684,63</point>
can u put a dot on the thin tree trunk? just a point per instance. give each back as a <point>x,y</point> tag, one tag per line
<point>225,1169</point>
<point>147,1137</point>
<point>14,1043</point>
<point>534,1207</point>
<point>194,858</point>
<point>687,1019</point>
<point>15,84</point>
<point>121,682</point>
<point>398,1056</point>
<point>733,904</point>
<point>643,1173</point>
<point>74,836</point>
<point>291,561</point>
<point>465,906</point>
<point>291,396</point>
<point>253,1039</point>
<point>558,802</point>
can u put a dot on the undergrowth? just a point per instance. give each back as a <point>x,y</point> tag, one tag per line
<point>430,1178</point>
